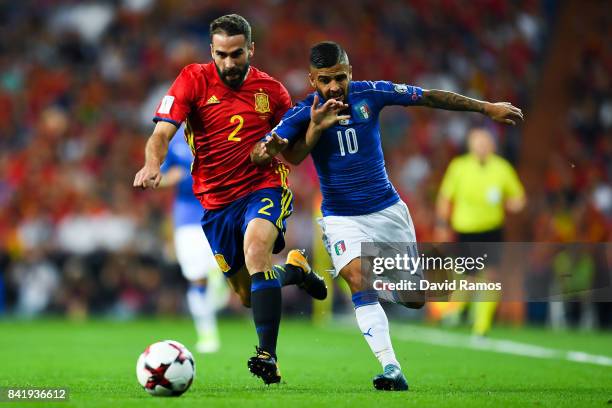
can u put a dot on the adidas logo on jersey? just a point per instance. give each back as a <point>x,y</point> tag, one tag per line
<point>212,99</point>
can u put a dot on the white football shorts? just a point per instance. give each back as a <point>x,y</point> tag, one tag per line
<point>193,252</point>
<point>343,235</point>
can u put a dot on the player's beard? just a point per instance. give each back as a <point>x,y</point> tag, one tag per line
<point>240,74</point>
<point>339,96</point>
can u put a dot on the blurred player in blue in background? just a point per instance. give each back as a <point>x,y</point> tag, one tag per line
<point>359,202</point>
<point>206,293</point>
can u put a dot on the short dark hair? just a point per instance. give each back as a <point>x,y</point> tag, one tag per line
<point>231,24</point>
<point>327,54</point>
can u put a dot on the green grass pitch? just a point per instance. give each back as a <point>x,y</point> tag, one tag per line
<point>321,366</point>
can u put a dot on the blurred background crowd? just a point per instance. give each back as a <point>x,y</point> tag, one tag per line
<point>79,82</point>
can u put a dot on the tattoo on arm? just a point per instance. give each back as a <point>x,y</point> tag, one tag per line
<point>451,101</point>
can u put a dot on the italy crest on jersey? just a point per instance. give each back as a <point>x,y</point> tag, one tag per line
<point>363,110</point>
<point>340,247</point>
<point>262,102</point>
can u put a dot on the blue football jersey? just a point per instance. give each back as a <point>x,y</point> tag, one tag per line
<point>187,209</point>
<point>348,156</point>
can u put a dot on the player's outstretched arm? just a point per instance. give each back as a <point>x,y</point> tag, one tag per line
<point>321,118</point>
<point>172,177</point>
<point>297,151</point>
<point>155,152</point>
<point>503,112</point>
<point>263,152</point>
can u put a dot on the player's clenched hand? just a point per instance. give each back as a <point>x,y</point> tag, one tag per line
<point>327,115</point>
<point>503,112</point>
<point>148,176</point>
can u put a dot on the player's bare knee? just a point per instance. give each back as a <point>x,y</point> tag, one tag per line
<point>352,276</point>
<point>256,256</point>
<point>255,249</point>
<point>354,284</point>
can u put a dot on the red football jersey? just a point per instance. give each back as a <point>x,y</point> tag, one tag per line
<point>221,126</point>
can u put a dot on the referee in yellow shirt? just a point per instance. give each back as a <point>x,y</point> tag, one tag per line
<point>476,191</point>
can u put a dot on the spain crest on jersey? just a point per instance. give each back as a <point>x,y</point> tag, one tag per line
<point>262,102</point>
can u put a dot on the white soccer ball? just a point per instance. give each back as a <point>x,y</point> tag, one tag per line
<point>165,368</point>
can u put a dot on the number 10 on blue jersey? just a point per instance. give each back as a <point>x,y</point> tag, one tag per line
<point>351,141</point>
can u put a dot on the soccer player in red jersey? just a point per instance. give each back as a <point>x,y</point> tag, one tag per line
<point>227,105</point>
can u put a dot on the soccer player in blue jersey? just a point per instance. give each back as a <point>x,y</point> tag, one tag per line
<point>206,293</point>
<point>359,202</point>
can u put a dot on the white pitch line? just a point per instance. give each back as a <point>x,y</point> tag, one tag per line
<point>458,340</point>
<point>443,338</point>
